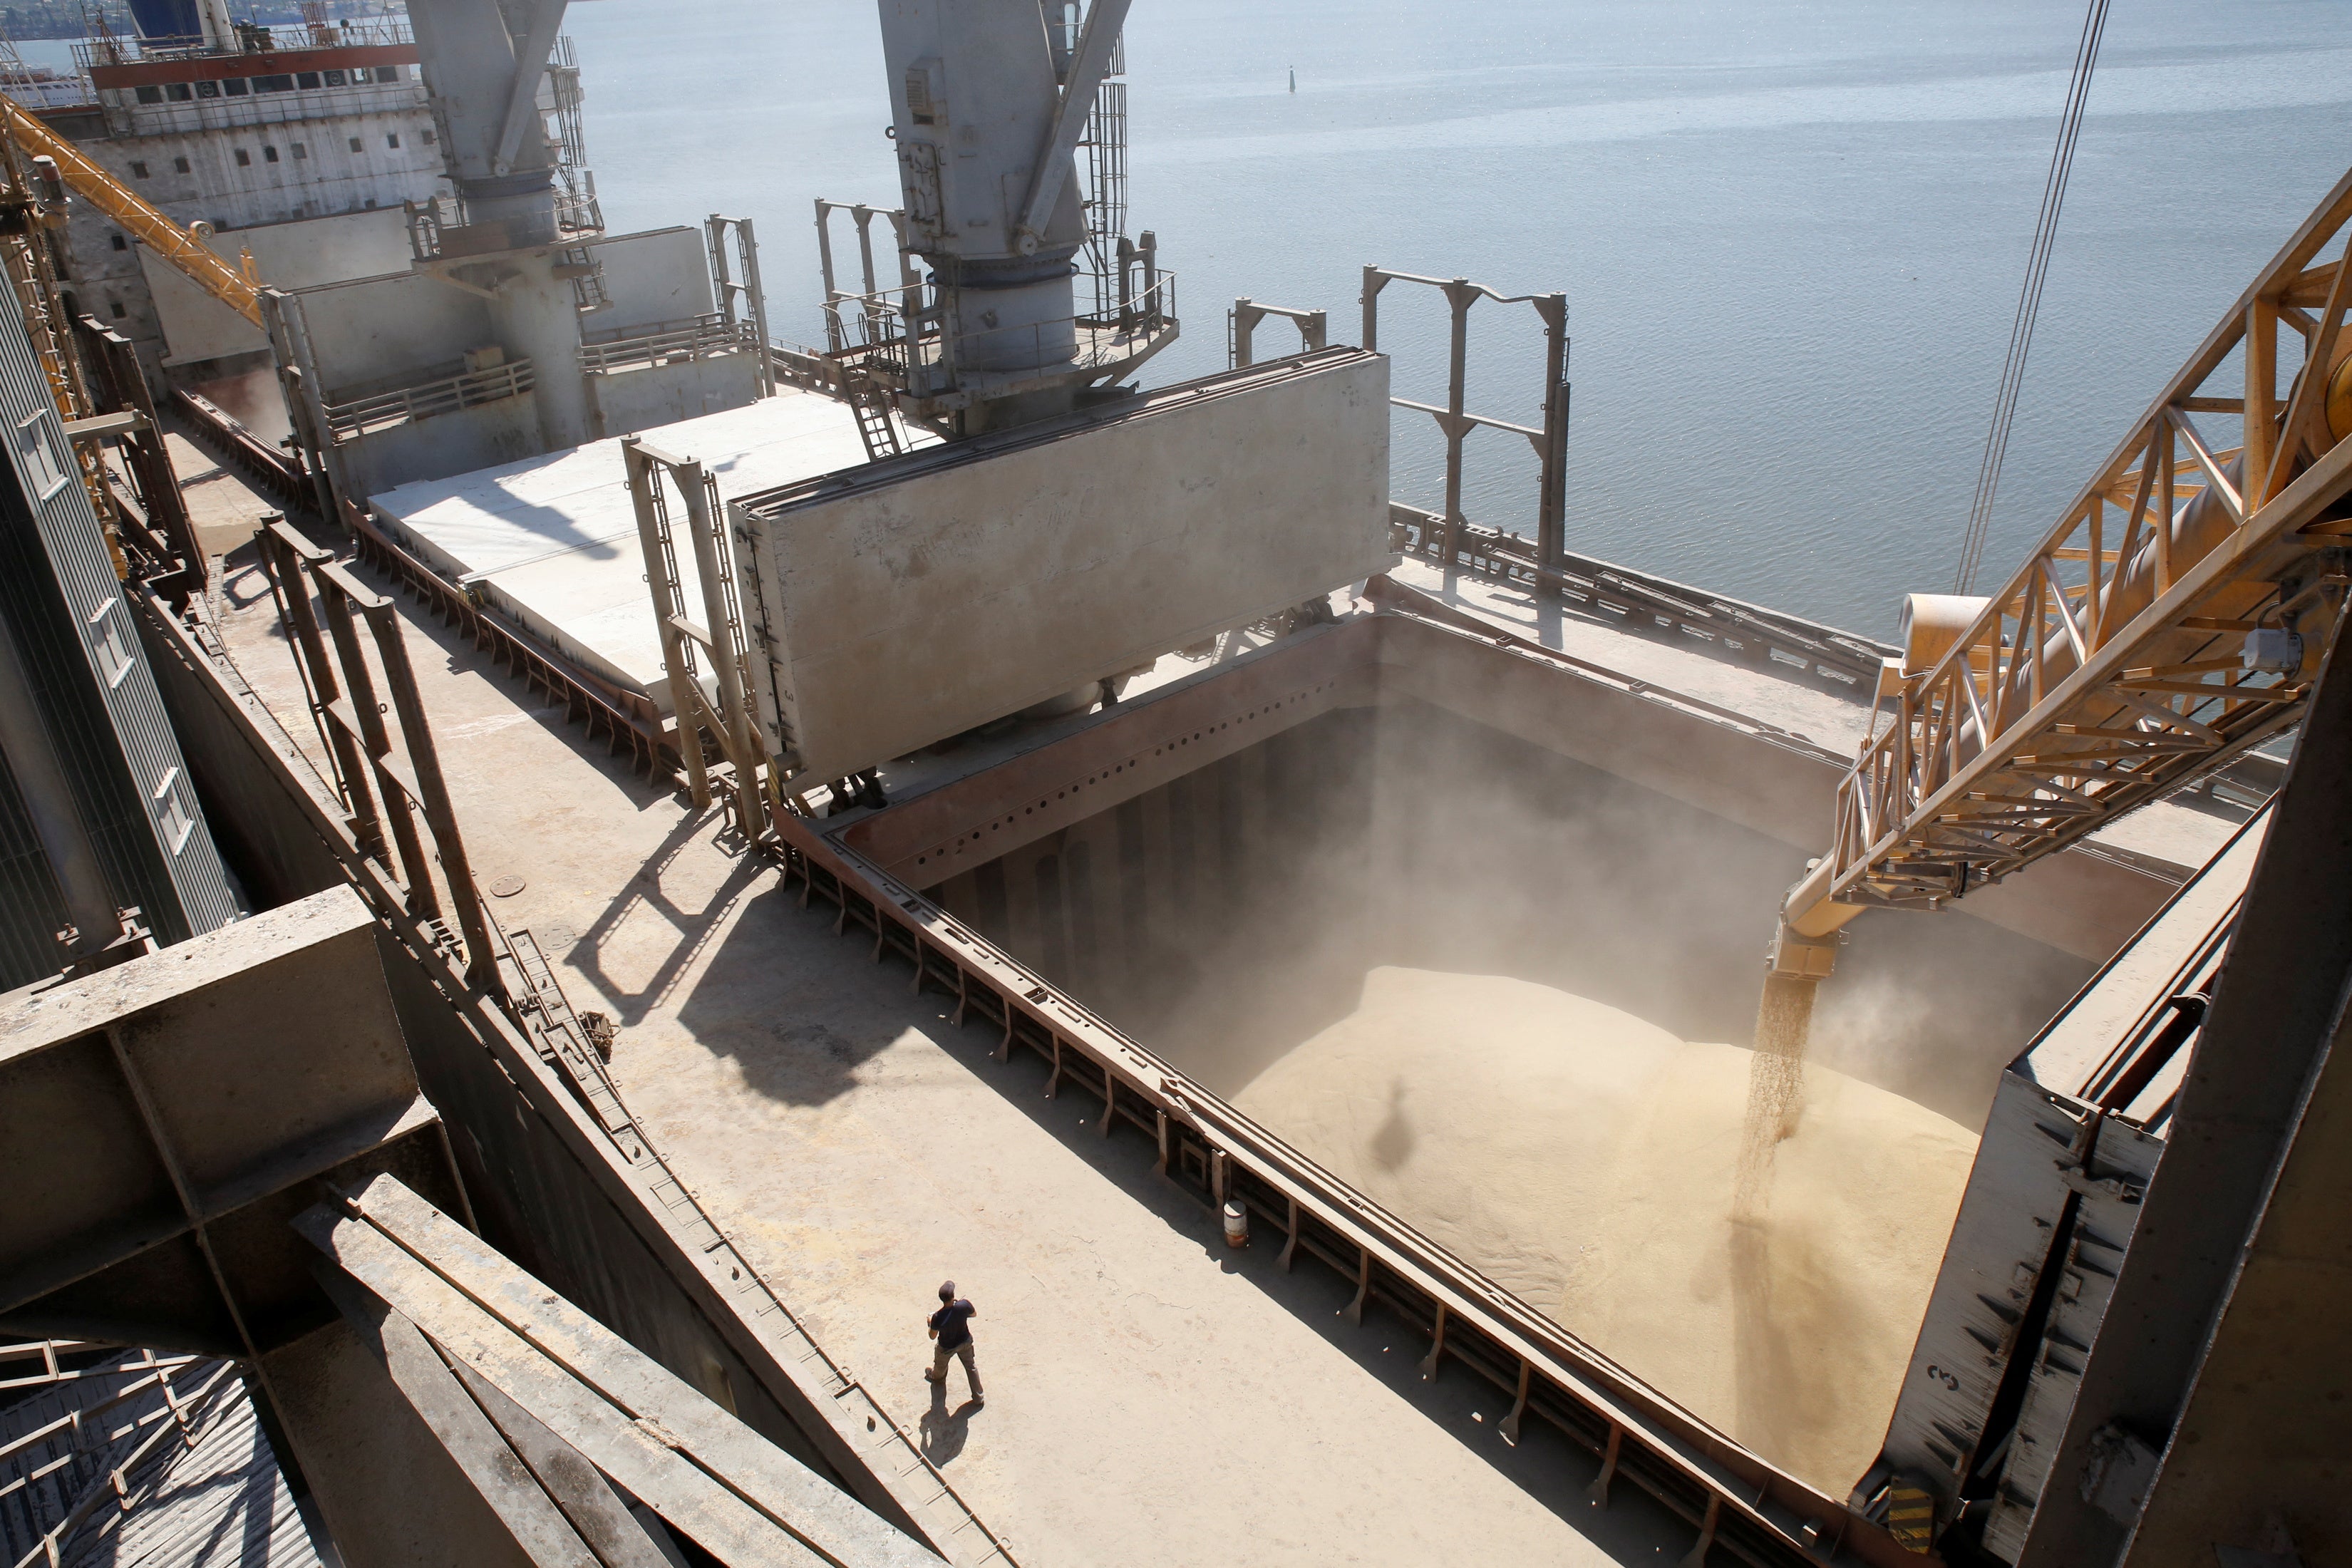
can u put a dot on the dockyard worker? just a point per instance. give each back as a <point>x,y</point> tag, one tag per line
<point>952,1327</point>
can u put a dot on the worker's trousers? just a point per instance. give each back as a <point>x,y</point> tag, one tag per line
<point>962,1352</point>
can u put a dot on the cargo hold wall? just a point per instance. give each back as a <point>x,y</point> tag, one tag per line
<point>1573,828</point>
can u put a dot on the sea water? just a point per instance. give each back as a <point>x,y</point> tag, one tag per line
<point>1791,232</point>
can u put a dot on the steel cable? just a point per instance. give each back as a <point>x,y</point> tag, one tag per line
<point>2029,300</point>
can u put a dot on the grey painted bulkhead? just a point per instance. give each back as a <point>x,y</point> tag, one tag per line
<point>96,714</point>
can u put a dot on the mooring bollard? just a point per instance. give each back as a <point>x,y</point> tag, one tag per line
<point>1236,1224</point>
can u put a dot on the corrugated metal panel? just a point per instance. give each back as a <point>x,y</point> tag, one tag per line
<point>81,645</point>
<point>32,912</point>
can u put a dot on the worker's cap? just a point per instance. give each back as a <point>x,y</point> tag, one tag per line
<point>947,1291</point>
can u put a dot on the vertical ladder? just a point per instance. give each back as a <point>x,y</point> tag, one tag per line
<point>668,595</point>
<point>870,401</point>
<point>729,601</point>
<point>587,275</point>
<point>1106,146</point>
<point>728,716</point>
<point>738,728</point>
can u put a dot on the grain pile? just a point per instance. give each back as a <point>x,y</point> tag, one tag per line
<point>1588,1161</point>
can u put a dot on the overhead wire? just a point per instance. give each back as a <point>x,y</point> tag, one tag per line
<point>2029,300</point>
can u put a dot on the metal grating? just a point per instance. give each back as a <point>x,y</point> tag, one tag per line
<point>134,1459</point>
<point>223,1502</point>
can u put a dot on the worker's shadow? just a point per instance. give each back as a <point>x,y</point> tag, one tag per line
<point>944,1430</point>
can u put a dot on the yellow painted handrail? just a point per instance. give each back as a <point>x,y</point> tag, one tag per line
<point>159,234</point>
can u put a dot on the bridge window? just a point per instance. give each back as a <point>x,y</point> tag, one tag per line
<point>138,170</point>
<point>116,307</point>
<point>355,144</point>
<point>301,151</point>
<point>393,141</point>
<point>178,166</point>
<point>149,94</point>
<point>306,78</point>
<point>273,84</point>
<point>430,138</point>
<point>244,159</point>
<point>392,73</point>
<point>178,91</point>
<point>120,242</point>
<point>236,87</point>
<point>336,78</point>
<point>269,155</point>
<point>207,90</point>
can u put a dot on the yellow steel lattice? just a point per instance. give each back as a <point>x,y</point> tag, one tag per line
<point>110,197</point>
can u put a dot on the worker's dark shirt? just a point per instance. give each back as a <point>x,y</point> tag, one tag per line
<point>955,1323</point>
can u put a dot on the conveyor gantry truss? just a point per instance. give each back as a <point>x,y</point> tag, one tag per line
<point>2140,646</point>
<point>232,286</point>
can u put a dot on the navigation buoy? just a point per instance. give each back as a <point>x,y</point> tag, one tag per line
<point>1294,78</point>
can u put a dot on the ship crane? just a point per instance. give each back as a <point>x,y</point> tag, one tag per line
<point>991,102</point>
<point>231,286</point>
<point>2174,618</point>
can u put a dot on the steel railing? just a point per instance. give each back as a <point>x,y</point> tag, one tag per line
<point>408,405</point>
<point>669,343</point>
<point>577,210</point>
<point>931,361</point>
<point>436,221</point>
<point>254,40</point>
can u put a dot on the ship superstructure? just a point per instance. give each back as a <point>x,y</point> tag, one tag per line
<point>314,150</point>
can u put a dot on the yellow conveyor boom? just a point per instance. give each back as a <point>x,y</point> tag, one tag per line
<point>110,197</point>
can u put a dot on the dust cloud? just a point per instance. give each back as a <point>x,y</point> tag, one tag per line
<point>1464,970</point>
<point>1594,1165</point>
<point>254,400</point>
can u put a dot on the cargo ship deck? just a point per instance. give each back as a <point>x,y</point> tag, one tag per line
<point>858,1145</point>
<point>859,1148</point>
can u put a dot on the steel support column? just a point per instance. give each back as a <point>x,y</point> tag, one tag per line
<point>1454,420</point>
<point>2278,1007</point>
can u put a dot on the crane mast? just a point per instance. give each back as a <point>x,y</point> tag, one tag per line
<point>990,101</point>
